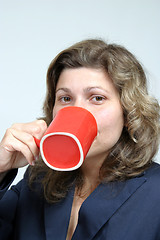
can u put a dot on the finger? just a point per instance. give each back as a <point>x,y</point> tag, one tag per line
<point>35,128</point>
<point>24,149</point>
<point>26,139</point>
<point>11,152</point>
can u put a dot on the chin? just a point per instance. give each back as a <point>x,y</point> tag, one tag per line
<point>96,155</point>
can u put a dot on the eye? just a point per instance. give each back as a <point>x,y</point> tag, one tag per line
<point>65,99</point>
<point>98,99</point>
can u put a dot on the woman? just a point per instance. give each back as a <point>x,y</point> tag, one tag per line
<point>115,194</point>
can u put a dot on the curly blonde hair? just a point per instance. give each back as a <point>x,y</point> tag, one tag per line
<point>138,144</point>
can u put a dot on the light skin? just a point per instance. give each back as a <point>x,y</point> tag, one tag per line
<point>84,87</point>
<point>91,89</point>
<point>18,148</point>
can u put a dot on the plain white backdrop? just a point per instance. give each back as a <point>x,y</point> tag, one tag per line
<point>34,31</point>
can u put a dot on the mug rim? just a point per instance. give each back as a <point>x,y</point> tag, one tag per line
<point>63,134</point>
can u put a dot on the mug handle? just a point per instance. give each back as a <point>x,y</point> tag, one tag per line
<point>37,141</point>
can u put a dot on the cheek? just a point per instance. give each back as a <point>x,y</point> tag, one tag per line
<point>55,111</point>
<point>103,118</point>
<point>111,121</point>
<point>54,114</point>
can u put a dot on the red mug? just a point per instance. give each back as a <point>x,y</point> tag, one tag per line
<point>68,139</point>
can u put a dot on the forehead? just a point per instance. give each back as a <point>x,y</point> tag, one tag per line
<point>85,77</point>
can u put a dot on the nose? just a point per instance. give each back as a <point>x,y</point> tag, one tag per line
<point>83,104</point>
<point>79,103</point>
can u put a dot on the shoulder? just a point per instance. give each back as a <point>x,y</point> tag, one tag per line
<point>153,172</point>
<point>24,188</point>
<point>152,184</point>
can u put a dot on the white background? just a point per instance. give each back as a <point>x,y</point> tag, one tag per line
<point>32,32</point>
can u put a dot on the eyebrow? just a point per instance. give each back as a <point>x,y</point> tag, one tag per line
<point>63,89</point>
<point>87,89</point>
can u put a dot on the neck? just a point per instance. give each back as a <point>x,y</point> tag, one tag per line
<point>90,170</point>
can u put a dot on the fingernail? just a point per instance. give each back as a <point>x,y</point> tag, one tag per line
<point>33,163</point>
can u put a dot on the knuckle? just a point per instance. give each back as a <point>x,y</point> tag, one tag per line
<point>15,125</point>
<point>8,132</point>
<point>41,124</point>
<point>29,138</point>
<point>37,129</point>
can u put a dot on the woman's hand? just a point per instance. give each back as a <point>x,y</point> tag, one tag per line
<point>18,147</point>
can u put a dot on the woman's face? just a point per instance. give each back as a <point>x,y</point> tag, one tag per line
<point>93,90</point>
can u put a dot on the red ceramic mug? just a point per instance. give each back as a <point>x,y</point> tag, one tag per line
<point>68,138</point>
